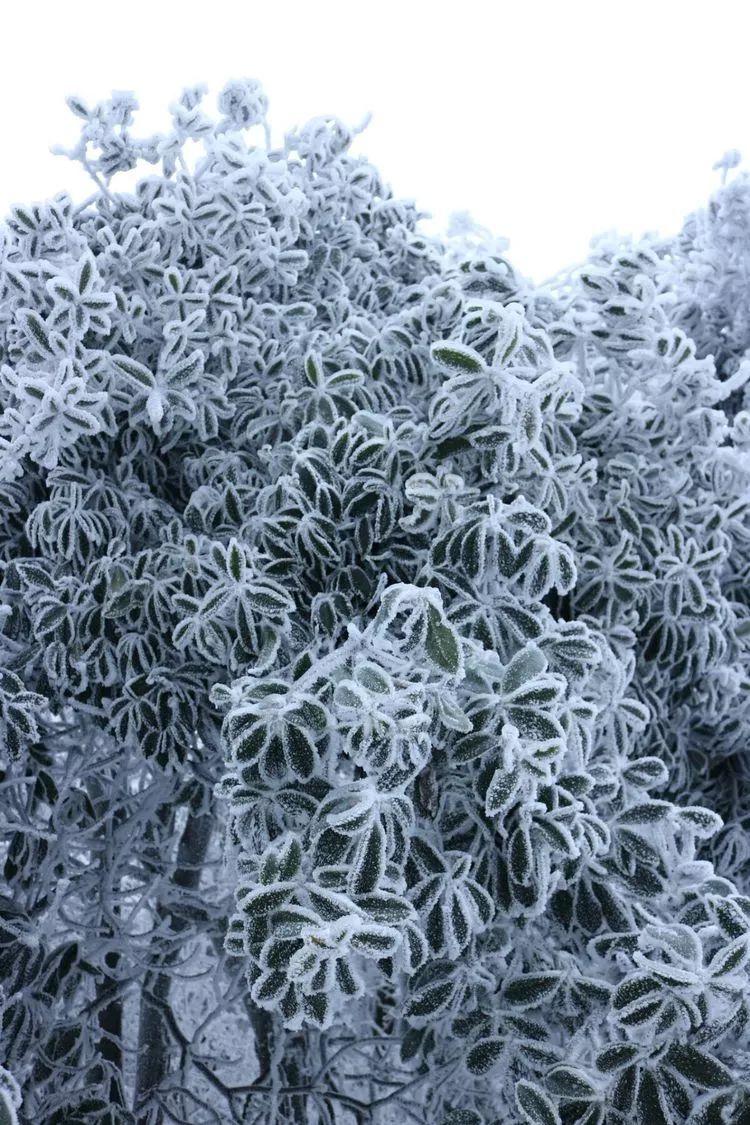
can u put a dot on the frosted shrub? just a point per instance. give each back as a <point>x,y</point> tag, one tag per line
<point>375,625</point>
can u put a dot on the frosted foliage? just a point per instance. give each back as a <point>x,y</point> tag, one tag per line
<point>374,652</point>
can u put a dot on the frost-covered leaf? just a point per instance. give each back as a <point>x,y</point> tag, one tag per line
<point>534,1105</point>
<point>483,1055</point>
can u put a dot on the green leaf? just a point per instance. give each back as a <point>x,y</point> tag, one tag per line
<point>376,942</point>
<point>535,1106</point>
<point>247,742</point>
<point>484,1054</point>
<point>346,378</point>
<point>650,812</point>
<point>624,1090</point>
<point>35,329</point>
<point>699,1069</point>
<point>501,791</point>
<point>50,618</point>
<point>457,358</point>
<point>472,746</point>
<point>86,274</point>
<point>264,900</point>
<point>636,988</point>
<point>452,716</point>
<point>270,986</point>
<point>732,919</point>
<point>533,989</point>
<point>386,908</point>
<point>526,665</point>
<point>134,371</point>
<point>651,1104</point>
<point>430,1001</point>
<point>646,773</point>
<point>235,561</point>
<point>35,575</point>
<point>300,752</point>
<point>557,836</point>
<point>310,714</point>
<point>442,644</point>
<point>616,1057</point>
<point>569,1082</point>
<point>703,822</point>
<point>373,678</point>
<point>369,863</point>
<point>268,601</point>
<point>714,1111</point>
<point>732,957</point>
<point>536,725</point>
<point>290,860</point>
<point>520,855</point>
<point>317,1009</point>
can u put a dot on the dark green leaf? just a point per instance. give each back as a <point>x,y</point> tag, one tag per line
<point>536,1108</point>
<point>442,644</point>
<point>484,1054</point>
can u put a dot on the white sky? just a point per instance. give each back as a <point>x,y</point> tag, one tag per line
<point>548,122</point>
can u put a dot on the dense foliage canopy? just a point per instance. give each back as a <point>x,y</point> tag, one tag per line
<point>374,652</point>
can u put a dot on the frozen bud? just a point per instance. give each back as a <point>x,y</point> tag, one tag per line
<point>244,103</point>
<point>728,161</point>
<point>122,105</point>
<point>193,95</point>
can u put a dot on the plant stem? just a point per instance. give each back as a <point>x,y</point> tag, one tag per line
<point>153,1030</point>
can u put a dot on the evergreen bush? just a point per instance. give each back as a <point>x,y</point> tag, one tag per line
<point>374,652</point>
